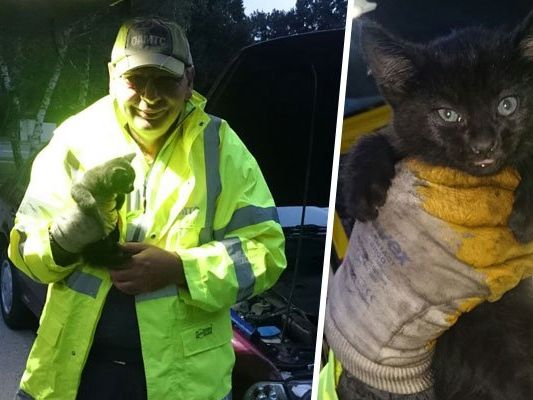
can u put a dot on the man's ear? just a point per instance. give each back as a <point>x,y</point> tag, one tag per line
<point>389,59</point>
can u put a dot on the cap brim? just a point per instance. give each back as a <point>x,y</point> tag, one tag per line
<point>134,61</point>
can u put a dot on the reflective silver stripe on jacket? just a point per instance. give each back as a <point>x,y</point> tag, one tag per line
<point>246,216</point>
<point>167,291</point>
<point>212,176</point>
<point>133,200</point>
<point>243,268</point>
<point>84,283</point>
<point>135,231</point>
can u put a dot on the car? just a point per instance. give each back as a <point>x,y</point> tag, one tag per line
<point>281,97</point>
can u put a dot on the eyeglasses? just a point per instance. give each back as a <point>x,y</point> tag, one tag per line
<point>163,83</point>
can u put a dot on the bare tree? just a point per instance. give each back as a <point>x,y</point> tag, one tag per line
<point>13,110</point>
<point>62,41</point>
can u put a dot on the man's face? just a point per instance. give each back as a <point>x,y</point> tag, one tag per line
<point>150,99</point>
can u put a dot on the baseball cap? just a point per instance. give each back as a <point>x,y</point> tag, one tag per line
<point>155,42</point>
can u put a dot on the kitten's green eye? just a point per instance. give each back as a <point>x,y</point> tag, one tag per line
<point>507,106</point>
<point>449,115</point>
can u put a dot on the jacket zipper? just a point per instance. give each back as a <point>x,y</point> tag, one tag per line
<point>139,228</point>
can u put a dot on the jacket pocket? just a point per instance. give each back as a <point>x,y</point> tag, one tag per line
<point>205,337</point>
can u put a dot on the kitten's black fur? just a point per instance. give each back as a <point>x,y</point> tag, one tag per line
<point>109,182</point>
<point>488,354</point>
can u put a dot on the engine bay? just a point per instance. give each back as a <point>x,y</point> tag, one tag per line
<point>282,322</point>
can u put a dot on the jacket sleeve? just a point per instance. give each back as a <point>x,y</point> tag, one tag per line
<point>47,195</point>
<point>247,252</point>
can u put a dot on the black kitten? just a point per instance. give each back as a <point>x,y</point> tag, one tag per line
<point>463,101</point>
<point>105,184</point>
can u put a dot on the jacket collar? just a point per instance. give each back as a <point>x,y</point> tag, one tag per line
<point>194,119</point>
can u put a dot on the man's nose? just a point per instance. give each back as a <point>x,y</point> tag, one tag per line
<point>150,92</point>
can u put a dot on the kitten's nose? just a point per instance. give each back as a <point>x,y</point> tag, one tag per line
<point>483,146</point>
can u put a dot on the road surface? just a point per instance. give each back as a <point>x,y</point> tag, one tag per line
<point>14,349</point>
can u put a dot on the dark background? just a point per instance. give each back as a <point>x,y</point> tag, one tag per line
<point>54,53</point>
<point>423,20</point>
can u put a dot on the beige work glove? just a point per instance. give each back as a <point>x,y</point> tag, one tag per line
<point>98,195</point>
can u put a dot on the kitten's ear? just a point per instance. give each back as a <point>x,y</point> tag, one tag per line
<point>387,57</point>
<point>524,37</point>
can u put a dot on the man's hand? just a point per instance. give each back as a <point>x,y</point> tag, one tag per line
<point>98,196</point>
<point>149,268</point>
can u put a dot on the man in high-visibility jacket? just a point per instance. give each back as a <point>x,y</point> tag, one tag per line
<point>200,225</point>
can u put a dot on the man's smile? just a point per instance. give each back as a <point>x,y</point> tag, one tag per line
<point>150,114</point>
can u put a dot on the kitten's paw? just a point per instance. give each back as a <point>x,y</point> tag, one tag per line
<point>83,198</point>
<point>521,218</point>
<point>368,192</point>
<point>366,175</point>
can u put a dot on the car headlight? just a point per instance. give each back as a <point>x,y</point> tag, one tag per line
<point>299,390</point>
<point>293,390</point>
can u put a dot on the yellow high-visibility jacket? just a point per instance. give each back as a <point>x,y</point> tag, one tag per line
<point>205,198</point>
<point>329,378</point>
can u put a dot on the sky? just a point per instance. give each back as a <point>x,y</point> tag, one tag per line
<point>251,5</point>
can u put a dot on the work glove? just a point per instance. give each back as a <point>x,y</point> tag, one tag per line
<point>439,247</point>
<point>98,195</point>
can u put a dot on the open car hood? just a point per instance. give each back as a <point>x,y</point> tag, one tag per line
<point>281,98</point>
